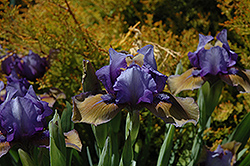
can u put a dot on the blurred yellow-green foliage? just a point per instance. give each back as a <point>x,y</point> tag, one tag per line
<point>87,29</point>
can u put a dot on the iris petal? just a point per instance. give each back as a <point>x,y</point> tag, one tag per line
<point>72,140</point>
<point>117,61</point>
<point>213,61</point>
<point>177,111</point>
<point>222,36</point>
<point>21,118</point>
<point>186,81</point>
<point>159,78</point>
<point>134,86</point>
<point>219,157</point>
<point>241,79</point>
<point>193,56</point>
<point>203,40</point>
<point>149,59</point>
<point>14,83</point>
<point>4,148</point>
<point>108,74</point>
<point>103,75</point>
<point>93,110</point>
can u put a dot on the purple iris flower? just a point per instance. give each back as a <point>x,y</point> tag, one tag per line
<point>224,155</point>
<point>132,81</point>
<point>219,157</point>
<point>210,63</point>
<point>32,66</point>
<point>209,59</point>
<point>22,115</point>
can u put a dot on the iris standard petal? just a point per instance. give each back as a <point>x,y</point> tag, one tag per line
<point>240,79</point>
<point>103,75</point>
<point>42,108</point>
<point>134,86</point>
<point>108,74</point>
<point>15,121</point>
<point>149,59</point>
<point>26,117</point>
<point>185,81</point>
<point>93,109</point>
<point>203,40</point>
<point>213,61</point>
<point>117,63</point>
<point>175,110</point>
<point>222,37</point>
<point>193,56</point>
<point>234,58</point>
<point>9,63</point>
<point>14,83</point>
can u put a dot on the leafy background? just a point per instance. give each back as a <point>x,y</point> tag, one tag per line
<point>87,29</point>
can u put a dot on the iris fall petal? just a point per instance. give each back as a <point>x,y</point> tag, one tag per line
<point>241,79</point>
<point>176,110</point>
<point>185,81</point>
<point>93,110</point>
<point>4,148</point>
<point>72,140</point>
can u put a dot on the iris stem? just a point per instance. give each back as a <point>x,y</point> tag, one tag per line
<point>208,98</point>
<point>132,125</point>
<point>131,132</point>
